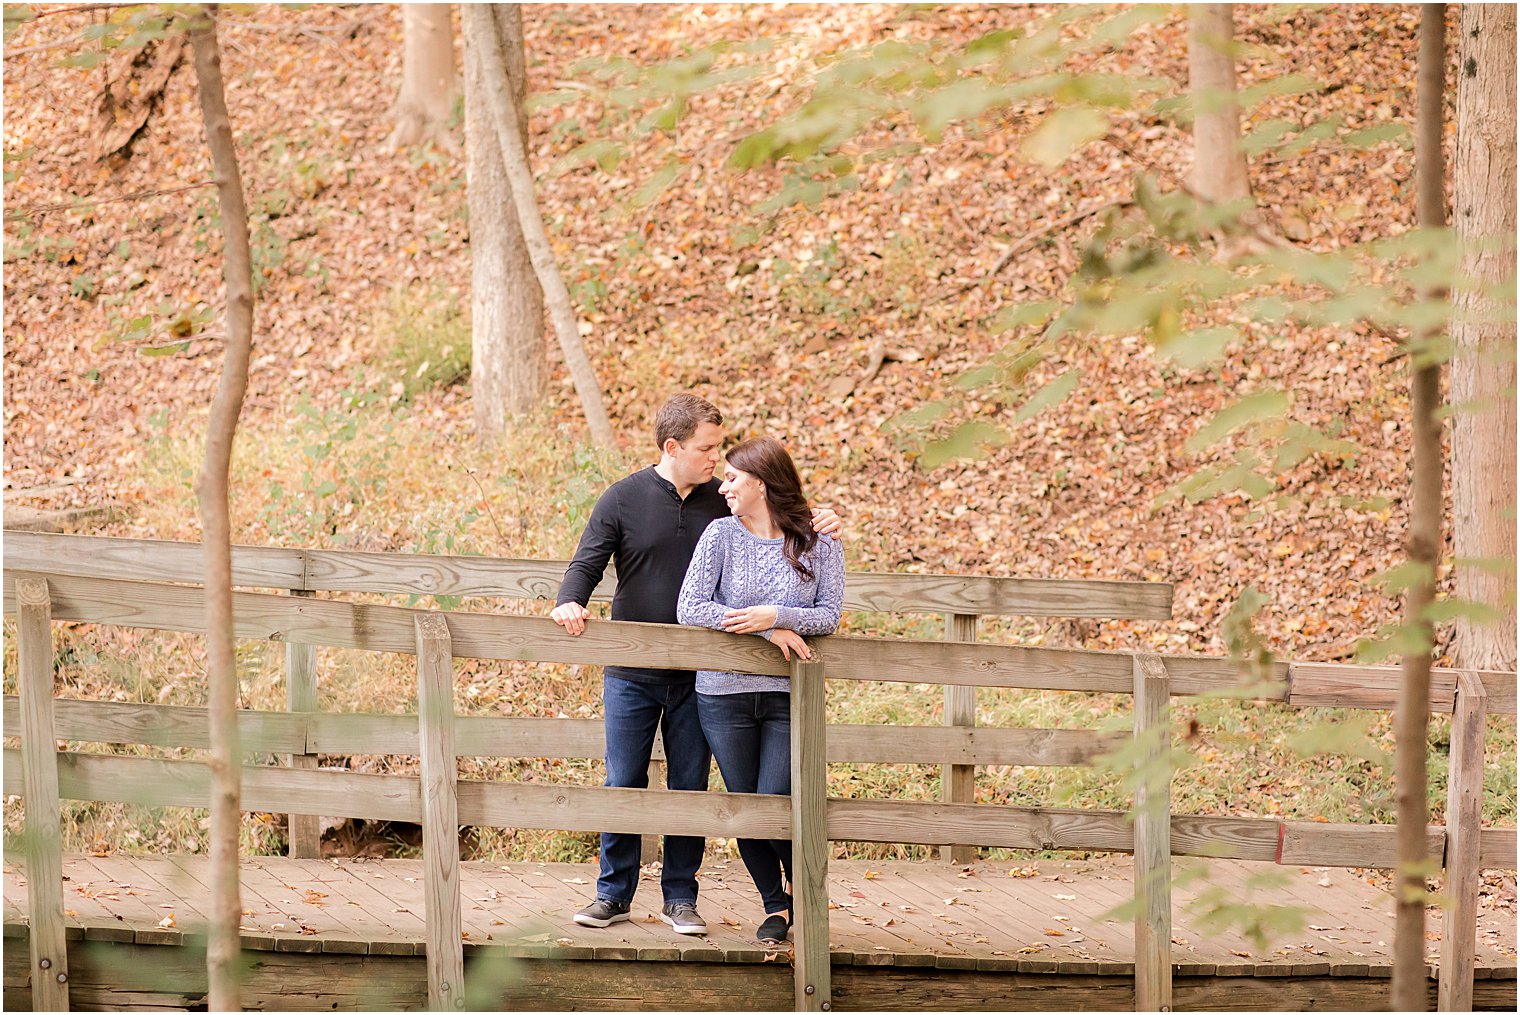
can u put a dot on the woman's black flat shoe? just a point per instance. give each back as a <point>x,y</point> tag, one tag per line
<point>773,929</point>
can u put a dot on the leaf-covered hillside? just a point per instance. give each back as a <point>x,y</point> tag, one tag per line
<point>818,323</point>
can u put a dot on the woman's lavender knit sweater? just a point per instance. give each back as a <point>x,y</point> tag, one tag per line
<point>733,569</point>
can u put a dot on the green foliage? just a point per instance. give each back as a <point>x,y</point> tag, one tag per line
<point>334,477</point>
<point>426,339</point>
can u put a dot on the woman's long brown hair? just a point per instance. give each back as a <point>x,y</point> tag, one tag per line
<point>766,459</point>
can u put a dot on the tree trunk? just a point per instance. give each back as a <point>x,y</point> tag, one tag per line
<point>1219,165</point>
<point>1483,369</point>
<point>509,363</point>
<point>427,74</point>
<point>216,536</point>
<point>1413,713</point>
<point>481,30</point>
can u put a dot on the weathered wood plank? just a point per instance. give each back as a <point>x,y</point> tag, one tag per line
<point>1496,849</point>
<point>407,574</point>
<point>265,567</point>
<point>440,815</point>
<point>539,639</point>
<point>1153,846</point>
<point>1464,821</point>
<point>958,782</point>
<point>125,722</point>
<point>39,768</point>
<point>117,722</point>
<point>305,830</point>
<point>810,843</point>
<point>595,808</point>
<point>1377,687</point>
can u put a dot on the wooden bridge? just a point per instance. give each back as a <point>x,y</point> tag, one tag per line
<point>336,934</point>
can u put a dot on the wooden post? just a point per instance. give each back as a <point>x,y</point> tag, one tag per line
<point>301,696</point>
<point>1464,822</point>
<point>810,839</point>
<point>39,773</point>
<point>958,782</point>
<point>440,814</point>
<point>1153,838</point>
<point>649,844</point>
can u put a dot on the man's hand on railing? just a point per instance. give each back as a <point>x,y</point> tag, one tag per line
<point>571,616</point>
<point>789,642</point>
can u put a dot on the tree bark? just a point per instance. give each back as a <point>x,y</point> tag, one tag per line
<point>509,363</point>
<point>428,80</point>
<point>216,535</point>
<point>1424,546</point>
<point>481,30</point>
<point>1219,164</point>
<point>1483,368</point>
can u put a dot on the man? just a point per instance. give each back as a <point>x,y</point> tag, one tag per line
<point>650,523</point>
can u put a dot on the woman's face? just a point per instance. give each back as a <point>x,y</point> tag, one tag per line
<point>745,494</point>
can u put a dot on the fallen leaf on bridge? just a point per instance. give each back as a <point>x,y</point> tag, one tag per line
<point>167,921</point>
<point>872,875</point>
<point>1052,932</point>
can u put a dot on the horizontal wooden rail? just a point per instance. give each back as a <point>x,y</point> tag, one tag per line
<point>400,573</point>
<point>118,722</point>
<point>159,783</point>
<point>159,606</point>
<point>262,616</point>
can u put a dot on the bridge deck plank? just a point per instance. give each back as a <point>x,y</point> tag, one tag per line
<point>531,905</point>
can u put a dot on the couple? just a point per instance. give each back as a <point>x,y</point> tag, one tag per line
<point>742,555</point>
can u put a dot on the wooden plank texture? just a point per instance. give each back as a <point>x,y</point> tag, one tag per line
<point>440,815</point>
<point>1153,846</point>
<point>810,842</point>
<point>958,782</point>
<point>1464,820</point>
<point>126,722</point>
<point>305,836</point>
<point>1377,687</point>
<point>39,768</point>
<point>408,574</point>
<point>595,808</point>
<point>119,722</point>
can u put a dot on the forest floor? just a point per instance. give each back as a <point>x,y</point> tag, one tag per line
<point>357,431</point>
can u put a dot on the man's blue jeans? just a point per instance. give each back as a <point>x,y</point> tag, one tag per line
<point>751,736</point>
<point>633,712</point>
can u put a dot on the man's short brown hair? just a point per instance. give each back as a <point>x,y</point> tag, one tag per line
<point>680,417</point>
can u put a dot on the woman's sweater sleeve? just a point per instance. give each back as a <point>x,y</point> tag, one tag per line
<point>823,616</point>
<point>697,605</point>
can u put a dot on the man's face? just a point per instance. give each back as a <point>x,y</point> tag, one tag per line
<point>695,460</point>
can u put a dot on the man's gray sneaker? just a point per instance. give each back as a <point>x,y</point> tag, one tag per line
<point>602,913</point>
<point>684,918</point>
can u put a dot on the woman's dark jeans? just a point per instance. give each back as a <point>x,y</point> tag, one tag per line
<point>751,737</point>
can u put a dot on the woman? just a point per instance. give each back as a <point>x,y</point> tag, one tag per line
<point>762,571</point>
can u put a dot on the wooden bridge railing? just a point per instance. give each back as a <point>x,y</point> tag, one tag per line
<point>809,818</point>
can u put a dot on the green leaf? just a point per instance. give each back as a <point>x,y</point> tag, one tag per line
<point>327,488</point>
<point>1252,409</point>
<point>1062,133</point>
<point>1051,394</point>
<point>962,100</point>
<point>1443,610</point>
<point>656,184</point>
<point>163,350</point>
<point>1025,315</point>
<point>965,441</point>
<point>85,60</point>
<point>1401,577</point>
<point>1370,136</point>
<point>1196,348</point>
<point>606,154</point>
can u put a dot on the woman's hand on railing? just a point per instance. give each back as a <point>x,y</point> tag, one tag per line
<point>789,642</point>
<point>751,620</point>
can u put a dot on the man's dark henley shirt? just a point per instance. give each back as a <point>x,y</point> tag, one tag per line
<point>649,533</point>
